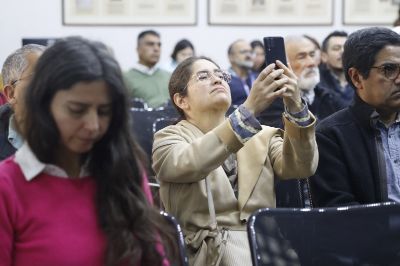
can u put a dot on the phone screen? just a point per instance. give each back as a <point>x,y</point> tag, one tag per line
<point>274,48</point>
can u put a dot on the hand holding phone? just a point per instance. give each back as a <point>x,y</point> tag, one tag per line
<point>274,48</point>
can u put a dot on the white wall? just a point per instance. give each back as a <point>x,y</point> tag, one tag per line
<point>42,18</point>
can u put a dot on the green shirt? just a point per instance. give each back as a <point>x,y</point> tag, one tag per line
<point>153,89</point>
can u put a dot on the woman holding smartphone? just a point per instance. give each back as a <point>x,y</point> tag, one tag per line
<point>215,171</point>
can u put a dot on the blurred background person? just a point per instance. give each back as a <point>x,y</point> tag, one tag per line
<point>240,57</point>
<point>182,50</point>
<point>17,70</point>
<point>317,55</point>
<point>146,80</point>
<point>258,56</point>
<point>331,69</point>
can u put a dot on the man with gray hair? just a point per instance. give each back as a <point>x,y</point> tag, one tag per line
<point>17,72</point>
<point>301,53</point>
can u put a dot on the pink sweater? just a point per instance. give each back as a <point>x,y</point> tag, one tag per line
<point>49,221</point>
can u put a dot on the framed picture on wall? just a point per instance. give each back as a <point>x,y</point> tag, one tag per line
<point>129,12</point>
<point>270,12</point>
<point>369,12</point>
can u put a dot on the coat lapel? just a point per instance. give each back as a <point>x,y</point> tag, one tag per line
<point>250,167</point>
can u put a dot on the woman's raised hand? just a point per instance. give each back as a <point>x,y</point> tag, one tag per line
<point>268,86</point>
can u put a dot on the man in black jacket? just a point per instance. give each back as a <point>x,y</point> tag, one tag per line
<point>331,69</point>
<point>359,146</point>
<point>17,72</point>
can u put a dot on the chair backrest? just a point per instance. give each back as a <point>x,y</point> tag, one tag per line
<point>138,103</point>
<point>183,259</point>
<point>162,122</point>
<point>356,235</point>
<point>142,125</point>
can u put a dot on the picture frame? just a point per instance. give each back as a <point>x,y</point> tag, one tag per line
<point>369,12</point>
<point>129,12</point>
<point>270,12</point>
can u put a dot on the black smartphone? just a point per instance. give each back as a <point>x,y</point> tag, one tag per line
<point>274,48</point>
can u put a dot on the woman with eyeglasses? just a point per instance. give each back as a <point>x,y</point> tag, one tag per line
<point>75,193</point>
<point>214,171</point>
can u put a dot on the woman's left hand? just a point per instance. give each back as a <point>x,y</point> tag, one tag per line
<point>291,97</point>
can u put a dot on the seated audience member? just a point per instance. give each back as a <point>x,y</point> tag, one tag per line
<point>240,57</point>
<point>258,56</point>
<point>331,69</point>
<point>215,171</point>
<point>146,80</point>
<point>300,53</point>
<point>17,72</point>
<point>359,146</point>
<point>182,50</point>
<point>3,98</point>
<point>317,55</point>
<point>75,194</point>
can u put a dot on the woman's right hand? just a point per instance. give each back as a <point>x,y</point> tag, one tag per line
<point>266,88</point>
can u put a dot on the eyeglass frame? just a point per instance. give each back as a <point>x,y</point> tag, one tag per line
<point>12,83</point>
<point>209,74</point>
<point>382,69</point>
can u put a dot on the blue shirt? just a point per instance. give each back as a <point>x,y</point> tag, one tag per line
<point>391,147</point>
<point>240,88</point>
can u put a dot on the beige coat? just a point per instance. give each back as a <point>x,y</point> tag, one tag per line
<point>183,157</point>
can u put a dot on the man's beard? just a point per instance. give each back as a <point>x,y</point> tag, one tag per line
<point>308,79</point>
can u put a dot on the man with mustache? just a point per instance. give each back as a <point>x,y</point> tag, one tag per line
<point>331,69</point>
<point>240,56</point>
<point>301,52</point>
<point>359,146</point>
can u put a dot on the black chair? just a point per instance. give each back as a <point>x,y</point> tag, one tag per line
<point>183,259</point>
<point>138,103</point>
<point>162,122</point>
<point>142,125</point>
<point>356,235</point>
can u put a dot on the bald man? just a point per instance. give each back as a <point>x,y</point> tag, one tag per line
<point>240,56</point>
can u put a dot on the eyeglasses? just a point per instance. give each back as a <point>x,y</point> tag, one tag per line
<point>390,70</point>
<point>218,73</point>
<point>12,83</point>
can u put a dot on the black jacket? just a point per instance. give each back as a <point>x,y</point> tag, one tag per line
<point>351,167</point>
<point>329,82</point>
<point>6,149</point>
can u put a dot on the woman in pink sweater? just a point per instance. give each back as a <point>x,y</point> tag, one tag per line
<point>75,193</point>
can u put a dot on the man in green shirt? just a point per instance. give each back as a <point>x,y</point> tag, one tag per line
<point>146,80</point>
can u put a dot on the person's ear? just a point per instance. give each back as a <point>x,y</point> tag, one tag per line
<point>181,101</point>
<point>8,91</point>
<point>356,78</point>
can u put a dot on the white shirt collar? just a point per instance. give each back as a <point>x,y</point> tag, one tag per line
<point>14,137</point>
<point>32,167</point>
<point>308,96</point>
<point>145,69</point>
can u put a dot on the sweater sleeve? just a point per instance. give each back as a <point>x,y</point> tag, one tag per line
<point>7,216</point>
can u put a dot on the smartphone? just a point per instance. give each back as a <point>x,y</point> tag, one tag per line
<point>274,48</point>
